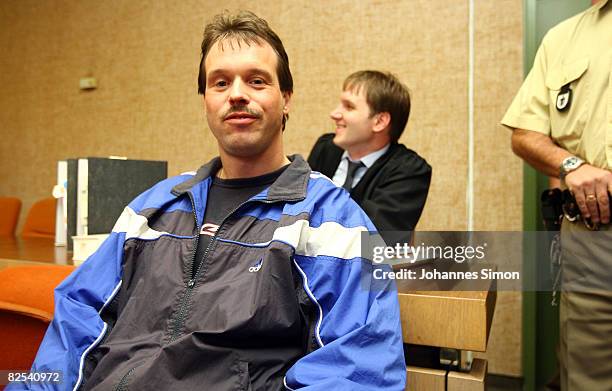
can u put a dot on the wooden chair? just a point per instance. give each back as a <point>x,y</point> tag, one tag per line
<point>9,215</point>
<point>40,222</point>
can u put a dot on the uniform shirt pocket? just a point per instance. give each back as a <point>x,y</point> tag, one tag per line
<point>567,126</point>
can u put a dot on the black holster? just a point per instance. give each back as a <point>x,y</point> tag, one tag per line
<point>552,209</point>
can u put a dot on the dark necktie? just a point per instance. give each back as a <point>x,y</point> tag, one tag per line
<point>350,174</point>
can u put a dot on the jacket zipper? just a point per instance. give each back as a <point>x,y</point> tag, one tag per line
<point>191,283</point>
<point>194,275</point>
<point>121,386</point>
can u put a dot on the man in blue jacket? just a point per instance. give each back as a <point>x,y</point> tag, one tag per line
<point>246,275</point>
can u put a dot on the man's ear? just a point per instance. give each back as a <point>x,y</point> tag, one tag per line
<point>287,104</point>
<point>381,121</point>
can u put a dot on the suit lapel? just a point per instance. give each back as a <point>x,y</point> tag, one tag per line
<point>331,160</point>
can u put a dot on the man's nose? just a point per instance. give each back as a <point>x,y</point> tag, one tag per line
<point>335,114</point>
<point>238,93</point>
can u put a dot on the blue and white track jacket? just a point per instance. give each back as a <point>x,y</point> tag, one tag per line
<point>282,299</point>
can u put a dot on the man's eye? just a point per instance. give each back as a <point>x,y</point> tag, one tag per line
<point>220,83</point>
<point>257,81</point>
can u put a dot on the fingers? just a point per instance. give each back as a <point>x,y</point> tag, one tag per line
<point>590,187</point>
<point>593,202</point>
<point>603,202</point>
<point>580,197</point>
<point>599,200</point>
<point>604,208</point>
<point>592,205</point>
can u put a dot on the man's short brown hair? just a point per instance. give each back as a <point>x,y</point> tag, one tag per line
<point>384,94</point>
<point>245,27</point>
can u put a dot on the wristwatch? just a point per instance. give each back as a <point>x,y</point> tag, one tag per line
<point>568,165</point>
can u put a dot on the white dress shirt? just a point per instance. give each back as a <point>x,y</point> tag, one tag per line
<point>368,161</point>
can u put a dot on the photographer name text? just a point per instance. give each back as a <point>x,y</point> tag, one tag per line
<point>422,274</point>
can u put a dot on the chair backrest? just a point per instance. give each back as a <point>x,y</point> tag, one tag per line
<point>22,329</point>
<point>9,215</point>
<point>40,222</point>
<point>26,308</point>
<point>32,285</point>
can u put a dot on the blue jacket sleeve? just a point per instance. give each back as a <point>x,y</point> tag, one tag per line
<point>76,325</point>
<point>359,332</point>
<point>358,329</point>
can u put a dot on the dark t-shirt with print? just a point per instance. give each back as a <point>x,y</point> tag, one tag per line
<point>224,196</point>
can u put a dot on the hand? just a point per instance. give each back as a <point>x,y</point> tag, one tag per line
<point>591,186</point>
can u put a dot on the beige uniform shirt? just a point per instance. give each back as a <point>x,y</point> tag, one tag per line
<point>577,52</point>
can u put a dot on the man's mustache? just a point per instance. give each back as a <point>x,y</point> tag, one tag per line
<point>242,109</point>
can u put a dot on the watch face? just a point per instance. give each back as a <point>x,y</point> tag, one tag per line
<point>571,163</point>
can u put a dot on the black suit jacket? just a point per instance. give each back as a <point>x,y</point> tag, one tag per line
<point>392,192</point>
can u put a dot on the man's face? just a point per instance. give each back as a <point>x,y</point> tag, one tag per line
<point>354,125</point>
<point>243,100</point>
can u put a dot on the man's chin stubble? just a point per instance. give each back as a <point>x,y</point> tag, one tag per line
<point>243,149</point>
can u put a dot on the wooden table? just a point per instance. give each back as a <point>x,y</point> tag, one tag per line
<point>33,250</point>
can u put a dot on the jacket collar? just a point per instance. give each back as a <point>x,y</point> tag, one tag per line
<point>290,185</point>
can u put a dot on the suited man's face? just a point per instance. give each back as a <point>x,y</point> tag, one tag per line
<point>354,123</point>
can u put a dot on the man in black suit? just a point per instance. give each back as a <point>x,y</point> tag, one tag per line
<point>389,181</point>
